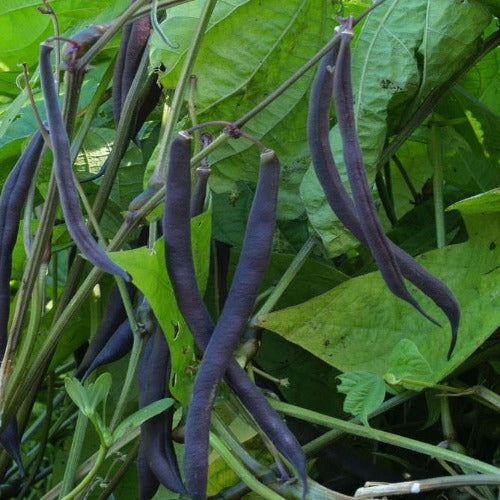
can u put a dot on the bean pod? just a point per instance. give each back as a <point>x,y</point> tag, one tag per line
<point>176,228</point>
<point>156,433</point>
<point>64,174</point>
<point>343,206</point>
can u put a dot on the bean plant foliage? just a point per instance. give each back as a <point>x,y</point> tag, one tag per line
<point>240,336</point>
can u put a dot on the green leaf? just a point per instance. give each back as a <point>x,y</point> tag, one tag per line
<point>485,203</point>
<point>98,391</point>
<point>406,361</point>
<point>140,416</point>
<point>79,395</point>
<point>364,391</point>
<point>150,276</point>
<point>284,36</point>
<point>356,325</point>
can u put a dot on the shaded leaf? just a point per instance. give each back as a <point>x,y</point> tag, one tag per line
<point>364,391</point>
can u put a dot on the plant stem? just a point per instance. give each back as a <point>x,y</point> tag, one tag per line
<point>129,379</point>
<point>230,440</point>
<point>385,198</point>
<point>89,477</point>
<point>247,477</point>
<point>91,110</point>
<point>406,178</point>
<point>288,276</point>
<point>110,487</point>
<point>180,90</point>
<point>74,454</point>
<point>436,157</point>
<point>420,486</point>
<point>383,437</point>
<point>44,439</point>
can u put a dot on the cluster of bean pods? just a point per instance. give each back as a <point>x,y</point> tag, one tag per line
<point>216,339</point>
<point>358,213</point>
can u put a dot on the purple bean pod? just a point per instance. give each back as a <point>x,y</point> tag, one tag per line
<point>156,433</point>
<point>64,174</point>
<point>113,317</point>
<point>176,227</point>
<point>343,206</point>
<point>117,346</point>
<point>366,212</point>
<point>12,199</point>
<point>148,482</point>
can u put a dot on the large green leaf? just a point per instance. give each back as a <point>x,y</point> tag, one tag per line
<point>23,27</point>
<point>358,324</point>
<point>284,36</point>
<point>150,276</point>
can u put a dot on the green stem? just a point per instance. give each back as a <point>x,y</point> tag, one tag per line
<point>146,10</point>
<point>383,437</point>
<point>129,379</point>
<point>91,110</point>
<point>288,276</point>
<point>230,440</point>
<point>89,477</point>
<point>406,178</point>
<point>420,486</point>
<point>436,157</point>
<point>111,486</point>
<point>247,477</point>
<point>385,198</point>
<point>31,334</point>
<point>74,454</point>
<point>180,90</point>
<point>44,439</point>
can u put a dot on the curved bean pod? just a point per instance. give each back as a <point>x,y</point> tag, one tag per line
<point>117,346</point>
<point>14,193</point>
<point>64,174</point>
<point>177,231</point>
<point>148,483</point>
<point>366,212</point>
<point>342,204</point>
<point>113,317</point>
<point>156,433</point>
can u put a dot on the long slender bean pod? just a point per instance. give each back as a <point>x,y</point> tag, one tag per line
<point>14,193</point>
<point>176,227</point>
<point>118,74</point>
<point>363,202</point>
<point>341,203</point>
<point>64,175</point>
<point>156,433</point>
